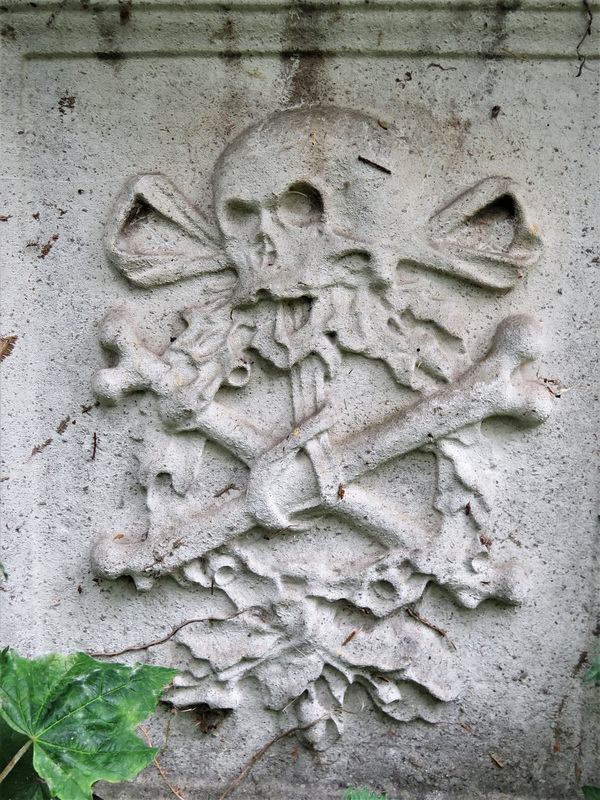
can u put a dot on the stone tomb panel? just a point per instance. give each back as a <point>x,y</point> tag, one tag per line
<point>305,345</point>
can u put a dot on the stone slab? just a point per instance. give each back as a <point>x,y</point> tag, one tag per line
<point>202,274</point>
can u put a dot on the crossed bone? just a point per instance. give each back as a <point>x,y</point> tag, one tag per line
<point>492,387</point>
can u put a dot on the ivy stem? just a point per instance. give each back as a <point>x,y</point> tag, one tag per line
<point>14,760</point>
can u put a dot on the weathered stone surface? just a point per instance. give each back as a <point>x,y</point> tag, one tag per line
<point>306,318</point>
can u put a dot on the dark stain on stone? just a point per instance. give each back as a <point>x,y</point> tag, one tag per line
<point>226,32</point>
<point>495,38</point>
<point>307,83</point>
<point>108,27</point>
<point>302,39</point>
<point>232,57</point>
<point>233,96</point>
<point>9,32</point>
<point>110,55</point>
<point>125,12</point>
<point>502,10</point>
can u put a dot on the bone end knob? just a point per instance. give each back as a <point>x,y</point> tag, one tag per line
<point>518,339</point>
<point>113,557</point>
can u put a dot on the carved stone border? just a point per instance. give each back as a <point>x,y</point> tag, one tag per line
<point>532,29</point>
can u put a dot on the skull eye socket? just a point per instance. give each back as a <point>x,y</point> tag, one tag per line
<point>241,217</point>
<point>300,205</point>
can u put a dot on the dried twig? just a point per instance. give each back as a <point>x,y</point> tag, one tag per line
<point>349,638</point>
<point>495,760</point>
<point>55,13</point>
<point>281,530</point>
<point>439,66</point>
<point>460,724</point>
<point>433,627</point>
<point>380,677</point>
<point>375,164</point>
<point>168,635</point>
<point>226,489</point>
<point>14,759</point>
<point>557,727</point>
<point>162,772</point>
<point>515,55</point>
<point>304,655</point>
<point>7,344</point>
<point>263,750</point>
<point>588,32</point>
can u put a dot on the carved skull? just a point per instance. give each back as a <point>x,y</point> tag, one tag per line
<point>288,192</point>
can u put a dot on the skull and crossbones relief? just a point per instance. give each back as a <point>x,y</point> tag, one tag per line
<point>326,335</point>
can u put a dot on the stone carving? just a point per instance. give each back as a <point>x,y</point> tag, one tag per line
<point>314,377</point>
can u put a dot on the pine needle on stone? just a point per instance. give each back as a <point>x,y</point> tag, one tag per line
<point>7,344</point>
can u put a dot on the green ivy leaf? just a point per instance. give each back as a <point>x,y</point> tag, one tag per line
<point>79,714</point>
<point>593,673</point>
<point>591,792</point>
<point>363,794</point>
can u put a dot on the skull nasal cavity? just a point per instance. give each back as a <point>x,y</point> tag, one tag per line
<point>300,205</point>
